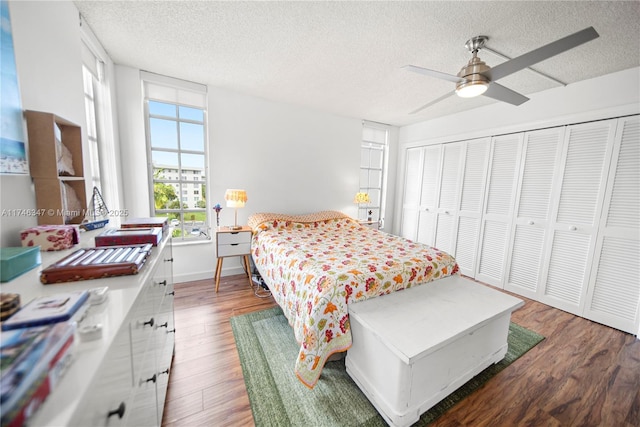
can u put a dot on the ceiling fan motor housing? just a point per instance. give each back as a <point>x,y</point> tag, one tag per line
<point>472,75</point>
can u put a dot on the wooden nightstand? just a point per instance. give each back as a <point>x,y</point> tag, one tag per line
<point>233,243</point>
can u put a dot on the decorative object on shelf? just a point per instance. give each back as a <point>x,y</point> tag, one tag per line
<point>217,208</point>
<point>97,263</point>
<point>16,261</point>
<point>235,199</point>
<point>129,236</point>
<point>97,214</point>
<point>157,221</point>
<point>9,304</point>
<point>48,309</point>
<point>50,237</point>
<point>33,362</point>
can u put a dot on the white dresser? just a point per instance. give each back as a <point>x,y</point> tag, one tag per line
<point>122,377</point>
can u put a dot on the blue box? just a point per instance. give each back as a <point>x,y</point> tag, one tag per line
<point>16,261</point>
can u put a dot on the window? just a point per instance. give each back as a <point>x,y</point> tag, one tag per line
<point>99,120</point>
<point>176,124</point>
<point>90,86</point>
<point>373,160</point>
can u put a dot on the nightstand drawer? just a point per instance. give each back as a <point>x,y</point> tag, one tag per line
<point>234,237</point>
<point>234,249</point>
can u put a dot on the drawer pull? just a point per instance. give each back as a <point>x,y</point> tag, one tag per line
<point>166,371</point>
<point>171,293</point>
<point>163,283</point>
<point>171,331</point>
<point>164,325</point>
<point>168,260</point>
<point>234,244</point>
<point>150,322</point>
<point>119,412</point>
<point>148,380</point>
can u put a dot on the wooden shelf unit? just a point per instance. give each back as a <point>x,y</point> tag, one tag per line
<point>43,165</point>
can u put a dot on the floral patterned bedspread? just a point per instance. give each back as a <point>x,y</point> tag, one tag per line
<point>316,265</point>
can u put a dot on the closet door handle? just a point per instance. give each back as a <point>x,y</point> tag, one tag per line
<point>573,228</point>
<point>531,222</point>
<point>119,412</point>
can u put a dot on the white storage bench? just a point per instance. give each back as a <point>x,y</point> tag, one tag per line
<point>413,348</point>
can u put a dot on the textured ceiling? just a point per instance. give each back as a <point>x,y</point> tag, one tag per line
<point>346,57</point>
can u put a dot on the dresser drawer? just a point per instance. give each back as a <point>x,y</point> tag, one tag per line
<point>234,249</point>
<point>234,237</point>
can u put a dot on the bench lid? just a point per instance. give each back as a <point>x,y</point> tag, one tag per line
<point>421,319</point>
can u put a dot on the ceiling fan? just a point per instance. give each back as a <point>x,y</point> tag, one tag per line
<point>477,78</point>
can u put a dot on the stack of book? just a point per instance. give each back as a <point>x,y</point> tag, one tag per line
<point>36,347</point>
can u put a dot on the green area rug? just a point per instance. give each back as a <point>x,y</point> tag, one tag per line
<point>268,351</point>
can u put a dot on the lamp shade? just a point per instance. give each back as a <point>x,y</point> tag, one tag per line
<point>361,198</point>
<point>235,198</point>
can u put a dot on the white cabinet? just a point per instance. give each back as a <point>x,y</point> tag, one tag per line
<point>443,197</point>
<point>448,196</point>
<point>414,158</point>
<point>429,192</point>
<point>529,230</point>
<point>471,202</point>
<point>551,214</point>
<point>579,195</point>
<point>613,296</point>
<point>498,207</point>
<point>106,385</point>
<point>129,387</point>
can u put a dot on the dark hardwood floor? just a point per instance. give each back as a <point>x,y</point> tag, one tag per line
<point>582,374</point>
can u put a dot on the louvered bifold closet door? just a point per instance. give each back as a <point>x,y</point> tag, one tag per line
<point>476,159</point>
<point>541,156</point>
<point>429,194</point>
<point>447,212</point>
<point>411,196</point>
<point>498,209</point>
<point>579,196</point>
<point>614,288</point>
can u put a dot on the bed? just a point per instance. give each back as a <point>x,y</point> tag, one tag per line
<point>316,265</point>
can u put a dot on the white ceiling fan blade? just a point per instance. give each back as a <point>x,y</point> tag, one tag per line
<point>504,94</point>
<point>446,95</point>
<point>540,54</point>
<point>433,73</point>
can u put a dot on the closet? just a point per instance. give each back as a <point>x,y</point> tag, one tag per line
<point>550,214</point>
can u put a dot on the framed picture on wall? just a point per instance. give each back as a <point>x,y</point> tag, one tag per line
<point>13,156</point>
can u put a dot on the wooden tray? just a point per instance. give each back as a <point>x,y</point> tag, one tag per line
<point>97,263</point>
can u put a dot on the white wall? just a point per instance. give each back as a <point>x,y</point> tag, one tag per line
<point>611,95</point>
<point>289,159</point>
<point>46,39</point>
<point>586,99</point>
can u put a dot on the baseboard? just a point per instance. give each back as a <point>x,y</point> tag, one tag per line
<point>206,275</point>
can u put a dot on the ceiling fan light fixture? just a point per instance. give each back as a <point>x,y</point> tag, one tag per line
<point>471,88</point>
<point>474,83</point>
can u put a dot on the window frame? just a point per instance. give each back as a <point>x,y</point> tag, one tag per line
<point>182,178</point>
<point>376,204</point>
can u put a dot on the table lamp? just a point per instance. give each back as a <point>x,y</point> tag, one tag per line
<point>235,199</point>
<point>361,198</point>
